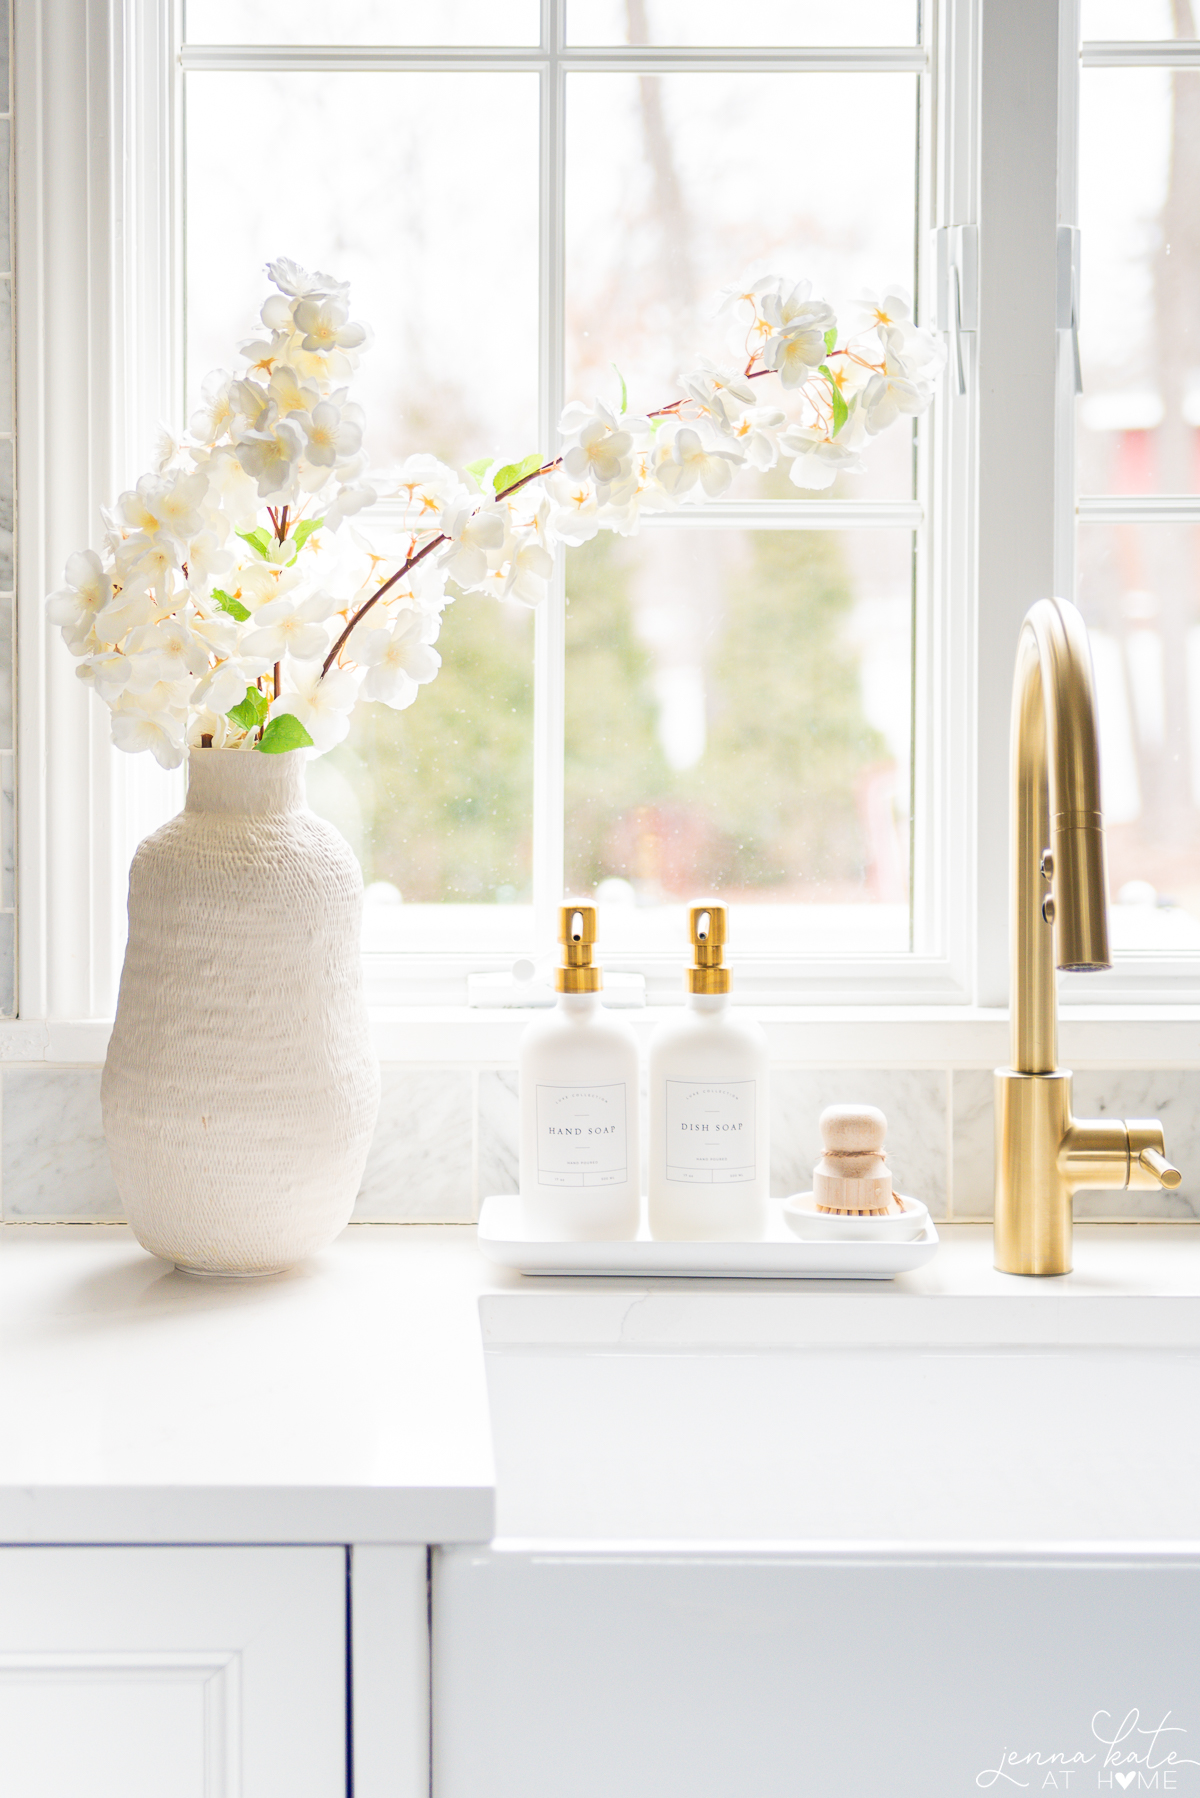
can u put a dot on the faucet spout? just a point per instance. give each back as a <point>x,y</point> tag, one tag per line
<point>1060,882</point>
<point>1044,1154</point>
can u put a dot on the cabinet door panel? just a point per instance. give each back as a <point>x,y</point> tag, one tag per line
<point>198,1672</point>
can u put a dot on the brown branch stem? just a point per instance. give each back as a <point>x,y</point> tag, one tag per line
<point>546,468</point>
<point>378,594</point>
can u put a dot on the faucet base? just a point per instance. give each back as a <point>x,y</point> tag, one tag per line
<point>1033,1224</point>
<point>1044,1156</point>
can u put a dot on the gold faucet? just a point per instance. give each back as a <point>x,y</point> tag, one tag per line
<point>1044,1155</point>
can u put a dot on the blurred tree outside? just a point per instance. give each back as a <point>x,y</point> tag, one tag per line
<point>446,786</point>
<point>788,739</point>
<point>615,766</point>
<point>772,804</point>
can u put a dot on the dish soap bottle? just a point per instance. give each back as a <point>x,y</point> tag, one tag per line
<point>579,1105</point>
<point>709,1125</point>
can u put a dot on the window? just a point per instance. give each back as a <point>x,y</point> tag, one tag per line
<point>1137,293</point>
<point>1139,453</point>
<point>579,175</point>
<point>725,702</point>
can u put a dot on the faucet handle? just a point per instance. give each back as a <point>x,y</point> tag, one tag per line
<point>1148,1164</point>
<point>1160,1167</point>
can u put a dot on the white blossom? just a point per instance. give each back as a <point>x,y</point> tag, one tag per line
<point>284,628</point>
<point>108,673</point>
<point>323,706</point>
<point>575,514</point>
<point>597,448</point>
<point>425,488</point>
<point>290,278</point>
<point>818,457</point>
<point>325,324</point>
<point>270,455</point>
<point>891,393</point>
<point>160,732</point>
<point>289,393</point>
<point>473,535</point>
<point>529,569</point>
<point>215,414</point>
<point>756,435</point>
<point>688,459</point>
<point>334,434</point>
<point>400,660</point>
<point>225,686</point>
<point>87,593</point>
<point>213,725</point>
<point>881,311</point>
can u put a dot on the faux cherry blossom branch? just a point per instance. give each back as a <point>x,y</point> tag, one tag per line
<point>199,625</point>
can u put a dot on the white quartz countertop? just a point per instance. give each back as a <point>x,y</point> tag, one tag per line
<point>348,1401</point>
<point>343,1402</point>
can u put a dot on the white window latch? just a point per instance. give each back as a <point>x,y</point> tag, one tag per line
<point>1068,292</point>
<point>956,266</point>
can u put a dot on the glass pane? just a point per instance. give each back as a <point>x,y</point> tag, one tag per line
<point>362,22</point>
<point>1140,303</point>
<point>437,800</point>
<point>1139,587</point>
<point>454,366</point>
<point>738,722</point>
<point>753,22</point>
<point>1108,19</point>
<point>677,208</point>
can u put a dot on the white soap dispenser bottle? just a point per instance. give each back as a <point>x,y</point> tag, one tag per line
<point>710,1144</point>
<point>580,1166</point>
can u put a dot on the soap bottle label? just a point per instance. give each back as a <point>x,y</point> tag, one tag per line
<point>710,1131</point>
<point>581,1137</point>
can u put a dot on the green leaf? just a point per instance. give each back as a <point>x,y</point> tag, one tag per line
<point>304,531</point>
<point>830,338</point>
<point>251,711</point>
<point>624,391</point>
<point>234,607</point>
<point>283,733</point>
<point>259,539</point>
<point>841,411</point>
<point>478,469</point>
<point>516,471</point>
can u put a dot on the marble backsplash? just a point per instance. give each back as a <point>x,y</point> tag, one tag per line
<point>447,1136</point>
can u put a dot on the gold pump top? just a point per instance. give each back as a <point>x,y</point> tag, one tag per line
<point>706,927</point>
<point>577,933</point>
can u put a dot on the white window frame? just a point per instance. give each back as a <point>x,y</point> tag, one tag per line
<point>99,294</point>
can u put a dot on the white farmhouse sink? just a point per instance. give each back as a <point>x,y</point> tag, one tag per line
<point>835,1543</point>
<point>1019,1412</point>
<point>905,1445</point>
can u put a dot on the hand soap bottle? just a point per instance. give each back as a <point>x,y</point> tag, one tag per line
<point>579,1105</point>
<point>709,1123</point>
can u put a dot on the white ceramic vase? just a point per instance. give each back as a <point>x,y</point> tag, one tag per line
<point>241,1087</point>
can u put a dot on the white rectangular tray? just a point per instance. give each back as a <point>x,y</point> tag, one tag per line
<point>777,1256</point>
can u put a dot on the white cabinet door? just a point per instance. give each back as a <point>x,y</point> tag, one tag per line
<point>585,1675</point>
<point>173,1673</point>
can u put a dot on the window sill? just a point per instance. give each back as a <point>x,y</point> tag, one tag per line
<point>814,1036</point>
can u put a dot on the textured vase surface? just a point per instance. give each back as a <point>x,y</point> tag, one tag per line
<point>241,1088</point>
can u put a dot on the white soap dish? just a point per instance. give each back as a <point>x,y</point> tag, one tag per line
<point>903,1225</point>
